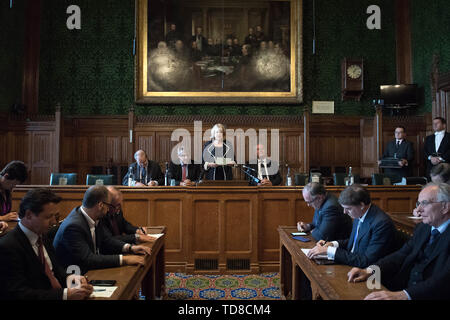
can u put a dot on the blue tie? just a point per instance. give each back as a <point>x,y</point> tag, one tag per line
<point>434,235</point>
<point>356,236</point>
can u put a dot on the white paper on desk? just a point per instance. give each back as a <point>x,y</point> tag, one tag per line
<point>414,217</point>
<point>156,235</point>
<point>320,256</point>
<point>102,294</point>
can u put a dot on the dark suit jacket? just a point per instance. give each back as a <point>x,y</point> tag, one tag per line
<point>202,39</point>
<point>194,172</point>
<point>221,172</point>
<point>404,151</point>
<point>274,178</point>
<point>126,229</point>
<point>396,267</point>
<point>330,222</point>
<point>376,239</point>
<point>154,173</point>
<point>74,245</point>
<point>22,275</point>
<point>430,148</point>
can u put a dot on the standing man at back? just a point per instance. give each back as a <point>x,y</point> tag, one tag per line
<point>437,145</point>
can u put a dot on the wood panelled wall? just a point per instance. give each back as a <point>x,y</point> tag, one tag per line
<point>86,142</point>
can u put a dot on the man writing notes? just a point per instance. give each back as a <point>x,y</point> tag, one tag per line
<point>144,171</point>
<point>372,236</point>
<point>81,241</point>
<point>402,150</point>
<point>421,268</point>
<point>437,145</point>
<point>329,220</point>
<point>29,269</point>
<point>265,169</point>
<point>117,226</point>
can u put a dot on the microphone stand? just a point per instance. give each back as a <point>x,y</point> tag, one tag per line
<point>254,179</point>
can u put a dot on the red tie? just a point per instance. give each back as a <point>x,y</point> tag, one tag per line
<point>183,177</point>
<point>54,282</point>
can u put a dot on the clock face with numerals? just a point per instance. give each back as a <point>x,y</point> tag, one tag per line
<point>354,71</point>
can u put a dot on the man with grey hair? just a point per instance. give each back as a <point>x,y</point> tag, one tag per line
<point>186,173</point>
<point>421,268</point>
<point>329,221</point>
<point>146,172</point>
<point>373,233</point>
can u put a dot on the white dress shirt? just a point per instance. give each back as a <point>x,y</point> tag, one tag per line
<point>261,172</point>
<point>439,135</point>
<point>331,250</point>
<point>33,238</point>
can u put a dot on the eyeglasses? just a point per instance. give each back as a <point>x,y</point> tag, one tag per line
<point>425,203</point>
<point>108,204</point>
<point>309,202</point>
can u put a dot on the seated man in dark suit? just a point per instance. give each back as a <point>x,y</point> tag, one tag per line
<point>329,220</point>
<point>29,269</point>
<point>264,169</point>
<point>145,171</point>
<point>421,268</point>
<point>116,226</point>
<point>401,149</point>
<point>372,237</point>
<point>437,145</point>
<point>186,173</point>
<point>81,241</point>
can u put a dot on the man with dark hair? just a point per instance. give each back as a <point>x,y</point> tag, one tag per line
<point>441,173</point>
<point>81,241</point>
<point>372,237</point>
<point>13,173</point>
<point>29,268</point>
<point>402,150</point>
<point>421,268</point>
<point>117,226</point>
<point>145,171</point>
<point>437,145</point>
<point>172,36</point>
<point>329,220</point>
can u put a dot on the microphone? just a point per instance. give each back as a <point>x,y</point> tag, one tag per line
<point>248,168</point>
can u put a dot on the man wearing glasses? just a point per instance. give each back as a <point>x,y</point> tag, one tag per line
<point>421,268</point>
<point>117,226</point>
<point>329,221</point>
<point>80,241</point>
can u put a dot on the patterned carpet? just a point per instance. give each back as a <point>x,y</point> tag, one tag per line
<point>182,286</point>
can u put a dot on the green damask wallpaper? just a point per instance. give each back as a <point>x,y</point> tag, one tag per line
<point>430,35</point>
<point>91,71</point>
<point>12,30</point>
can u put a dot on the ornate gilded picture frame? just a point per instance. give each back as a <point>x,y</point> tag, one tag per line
<point>219,51</point>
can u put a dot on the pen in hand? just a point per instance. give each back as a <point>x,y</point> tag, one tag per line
<point>142,229</point>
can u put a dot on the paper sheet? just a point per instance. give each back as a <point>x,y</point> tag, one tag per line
<point>156,235</point>
<point>104,292</point>
<point>320,256</point>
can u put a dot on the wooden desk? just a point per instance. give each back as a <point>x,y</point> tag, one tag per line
<point>328,282</point>
<point>223,229</point>
<point>404,223</point>
<point>151,276</point>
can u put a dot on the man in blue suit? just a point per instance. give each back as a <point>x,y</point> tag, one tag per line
<point>372,237</point>
<point>421,268</point>
<point>329,220</point>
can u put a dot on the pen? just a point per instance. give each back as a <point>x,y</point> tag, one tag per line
<point>142,229</point>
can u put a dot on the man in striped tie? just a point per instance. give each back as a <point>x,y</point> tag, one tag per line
<point>29,269</point>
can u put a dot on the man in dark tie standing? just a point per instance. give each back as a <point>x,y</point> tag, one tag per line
<point>401,149</point>
<point>29,269</point>
<point>437,145</point>
<point>421,268</point>
<point>373,233</point>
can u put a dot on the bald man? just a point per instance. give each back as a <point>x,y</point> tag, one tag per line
<point>146,172</point>
<point>115,224</point>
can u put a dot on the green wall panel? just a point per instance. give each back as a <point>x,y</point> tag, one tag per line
<point>12,31</point>
<point>91,71</point>
<point>430,35</point>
